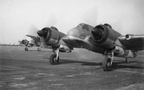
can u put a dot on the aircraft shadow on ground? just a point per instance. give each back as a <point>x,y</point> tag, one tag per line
<point>38,51</point>
<point>65,61</point>
<point>131,64</point>
<point>116,65</point>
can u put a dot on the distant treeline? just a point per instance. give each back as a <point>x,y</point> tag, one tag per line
<point>10,45</point>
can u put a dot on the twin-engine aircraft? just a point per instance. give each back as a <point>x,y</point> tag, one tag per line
<point>34,42</point>
<point>101,39</point>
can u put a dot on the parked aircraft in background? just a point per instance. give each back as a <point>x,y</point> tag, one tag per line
<point>101,39</point>
<point>34,42</point>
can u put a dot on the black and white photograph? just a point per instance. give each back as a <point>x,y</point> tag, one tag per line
<point>71,44</point>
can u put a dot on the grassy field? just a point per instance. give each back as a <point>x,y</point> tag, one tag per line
<point>79,70</point>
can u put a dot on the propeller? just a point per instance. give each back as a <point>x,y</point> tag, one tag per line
<point>91,16</point>
<point>97,32</point>
<point>52,20</point>
<point>45,33</point>
<point>33,30</point>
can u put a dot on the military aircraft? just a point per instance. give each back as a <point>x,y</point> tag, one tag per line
<point>101,39</point>
<point>34,42</point>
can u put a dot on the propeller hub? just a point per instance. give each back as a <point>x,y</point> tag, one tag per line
<point>97,33</point>
<point>43,32</point>
<point>40,33</point>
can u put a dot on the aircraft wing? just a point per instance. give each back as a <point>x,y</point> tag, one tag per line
<point>34,38</point>
<point>75,42</point>
<point>86,43</point>
<point>132,42</point>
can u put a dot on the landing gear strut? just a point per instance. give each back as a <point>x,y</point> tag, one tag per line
<point>127,60</point>
<point>107,62</point>
<point>38,49</point>
<point>54,58</point>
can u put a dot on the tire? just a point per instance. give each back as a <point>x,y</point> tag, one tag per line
<point>106,64</point>
<point>26,49</point>
<point>53,60</point>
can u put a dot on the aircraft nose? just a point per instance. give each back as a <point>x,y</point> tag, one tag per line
<point>40,33</point>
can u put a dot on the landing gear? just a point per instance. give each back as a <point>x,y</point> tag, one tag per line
<point>107,62</point>
<point>127,60</point>
<point>38,49</point>
<point>26,49</point>
<point>54,58</point>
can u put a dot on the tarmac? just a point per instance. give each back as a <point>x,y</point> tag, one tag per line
<point>79,70</point>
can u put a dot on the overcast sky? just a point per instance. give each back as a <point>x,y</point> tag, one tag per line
<point>21,17</point>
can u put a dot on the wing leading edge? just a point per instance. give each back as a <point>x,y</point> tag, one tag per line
<point>34,38</point>
<point>132,42</point>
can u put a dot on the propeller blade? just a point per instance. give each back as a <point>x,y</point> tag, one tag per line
<point>33,30</point>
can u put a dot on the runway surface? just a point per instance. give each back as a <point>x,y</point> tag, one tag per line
<point>79,70</point>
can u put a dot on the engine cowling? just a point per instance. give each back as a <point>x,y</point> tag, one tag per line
<point>105,36</point>
<point>37,43</point>
<point>25,42</point>
<point>51,36</point>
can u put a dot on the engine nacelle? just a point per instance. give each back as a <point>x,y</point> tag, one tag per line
<point>124,53</point>
<point>25,42</point>
<point>64,48</point>
<point>105,36</point>
<point>50,36</point>
<point>128,36</point>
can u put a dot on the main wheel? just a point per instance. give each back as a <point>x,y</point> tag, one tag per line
<point>38,49</point>
<point>26,49</point>
<point>106,65</point>
<point>53,60</point>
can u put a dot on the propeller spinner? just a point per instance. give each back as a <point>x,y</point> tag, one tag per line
<point>44,32</point>
<point>97,32</point>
